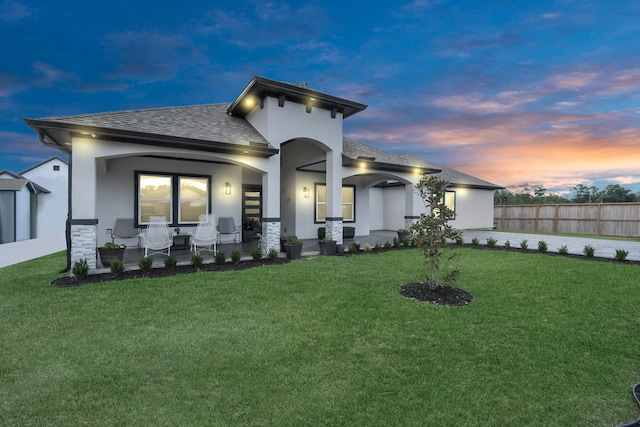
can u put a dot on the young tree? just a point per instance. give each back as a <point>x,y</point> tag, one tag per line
<point>432,230</point>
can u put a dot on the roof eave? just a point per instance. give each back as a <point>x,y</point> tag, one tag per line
<point>260,88</point>
<point>391,167</point>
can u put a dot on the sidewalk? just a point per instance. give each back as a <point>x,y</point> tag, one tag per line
<point>25,250</point>
<point>604,247</point>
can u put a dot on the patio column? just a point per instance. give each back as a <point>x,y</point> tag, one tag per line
<point>270,238</point>
<point>84,222</point>
<point>414,206</point>
<point>333,221</point>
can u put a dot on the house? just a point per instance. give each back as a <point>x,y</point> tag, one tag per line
<point>277,153</point>
<point>33,203</point>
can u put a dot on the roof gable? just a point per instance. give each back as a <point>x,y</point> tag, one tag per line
<point>259,88</point>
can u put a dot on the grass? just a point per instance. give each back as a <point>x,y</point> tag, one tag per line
<point>324,341</point>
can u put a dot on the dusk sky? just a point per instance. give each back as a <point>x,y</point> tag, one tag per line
<point>514,92</point>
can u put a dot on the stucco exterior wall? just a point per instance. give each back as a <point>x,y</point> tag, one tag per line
<point>117,184</point>
<point>280,124</point>
<point>474,209</point>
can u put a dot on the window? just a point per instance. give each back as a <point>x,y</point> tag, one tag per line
<point>450,201</point>
<point>180,199</point>
<point>193,198</point>
<point>348,203</point>
<point>56,167</point>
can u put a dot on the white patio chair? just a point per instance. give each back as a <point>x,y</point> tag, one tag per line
<point>157,238</point>
<point>124,228</point>
<point>206,235</point>
<point>226,225</point>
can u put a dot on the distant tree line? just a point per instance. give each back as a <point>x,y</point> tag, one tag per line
<point>581,193</point>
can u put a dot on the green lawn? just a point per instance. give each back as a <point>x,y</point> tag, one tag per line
<point>324,341</point>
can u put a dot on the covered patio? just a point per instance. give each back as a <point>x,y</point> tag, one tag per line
<point>310,247</point>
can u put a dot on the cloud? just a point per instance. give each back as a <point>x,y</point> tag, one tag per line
<point>11,11</point>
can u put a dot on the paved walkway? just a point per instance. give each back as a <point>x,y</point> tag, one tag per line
<point>604,247</point>
<point>25,250</point>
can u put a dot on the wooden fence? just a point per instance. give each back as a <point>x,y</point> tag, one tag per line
<point>604,219</point>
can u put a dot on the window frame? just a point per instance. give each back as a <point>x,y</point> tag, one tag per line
<point>316,203</point>
<point>174,200</point>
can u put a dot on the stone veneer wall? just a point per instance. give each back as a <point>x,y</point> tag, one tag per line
<point>84,244</point>
<point>270,238</point>
<point>409,221</point>
<point>334,230</point>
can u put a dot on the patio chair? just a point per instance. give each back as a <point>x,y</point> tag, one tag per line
<point>226,225</point>
<point>124,229</point>
<point>157,238</point>
<point>206,235</point>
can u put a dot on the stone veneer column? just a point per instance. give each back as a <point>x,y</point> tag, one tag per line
<point>270,235</point>
<point>333,229</point>
<point>84,241</point>
<point>409,221</point>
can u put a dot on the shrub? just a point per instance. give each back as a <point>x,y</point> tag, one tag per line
<point>524,244</point>
<point>220,257</point>
<point>475,241</point>
<point>256,253</point>
<point>117,266</point>
<point>542,246</point>
<point>388,245</point>
<point>273,254</point>
<point>396,242</point>
<point>196,260</point>
<point>621,254</point>
<point>366,247</point>
<point>170,262</point>
<point>145,263</point>
<point>491,242</point>
<point>80,268</point>
<point>354,247</point>
<point>507,245</point>
<point>563,250</point>
<point>459,240</point>
<point>235,256</point>
<point>589,251</point>
<point>406,243</point>
<point>377,247</point>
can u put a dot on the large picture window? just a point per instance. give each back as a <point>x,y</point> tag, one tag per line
<point>179,198</point>
<point>348,203</point>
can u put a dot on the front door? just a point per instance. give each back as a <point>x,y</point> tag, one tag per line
<point>251,210</point>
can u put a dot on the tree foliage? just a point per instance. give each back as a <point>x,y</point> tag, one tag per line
<point>581,193</point>
<point>432,230</point>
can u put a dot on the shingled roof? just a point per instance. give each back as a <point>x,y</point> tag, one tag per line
<point>454,177</point>
<point>356,151</point>
<point>205,127</point>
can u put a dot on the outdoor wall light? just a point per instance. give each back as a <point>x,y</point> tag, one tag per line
<point>227,188</point>
<point>305,192</point>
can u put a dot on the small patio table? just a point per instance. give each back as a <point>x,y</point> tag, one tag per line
<point>181,241</point>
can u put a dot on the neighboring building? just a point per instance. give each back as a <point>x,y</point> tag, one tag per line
<point>277,152</point>
<point>33,203</point>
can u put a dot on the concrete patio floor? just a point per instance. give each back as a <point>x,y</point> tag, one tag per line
<point>310,247</point>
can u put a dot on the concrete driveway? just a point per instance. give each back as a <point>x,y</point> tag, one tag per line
<point>604,247</point>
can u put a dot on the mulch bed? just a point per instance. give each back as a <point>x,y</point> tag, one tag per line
<point>438,294</point>
<point>162,272</point>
